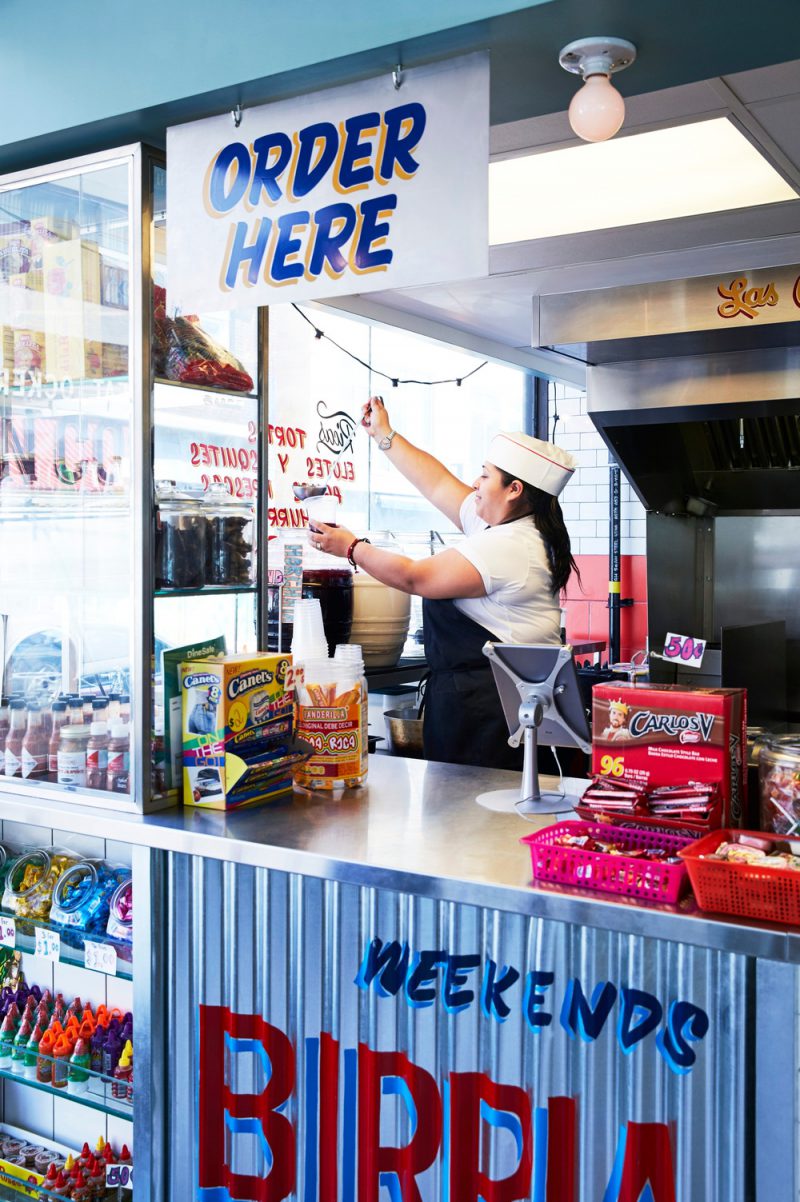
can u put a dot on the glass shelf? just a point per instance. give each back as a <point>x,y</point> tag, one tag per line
<point>207,591</point>
<point>68,954</point>
<point>204,388</point>
<point>96,1096</point>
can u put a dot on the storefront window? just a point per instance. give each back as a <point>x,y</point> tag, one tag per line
<point>66,598</point>
<point>316,392</point>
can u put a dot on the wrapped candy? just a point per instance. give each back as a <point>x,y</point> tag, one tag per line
<point>30,882</point>
<point>120,917</point>
<point>82,897</point>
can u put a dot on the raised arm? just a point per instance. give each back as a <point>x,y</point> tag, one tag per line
<point>430,477</point>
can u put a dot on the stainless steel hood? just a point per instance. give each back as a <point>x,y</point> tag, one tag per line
<point>711,432</point>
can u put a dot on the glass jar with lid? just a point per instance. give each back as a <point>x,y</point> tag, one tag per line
<point>230,556</point>
<point>180,538</point>
<point>779,784</point>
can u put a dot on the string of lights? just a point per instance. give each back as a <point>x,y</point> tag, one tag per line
<point>395,380</point>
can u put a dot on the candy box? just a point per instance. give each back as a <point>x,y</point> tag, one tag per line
<point>670,735</point>
<point>237,729</point>
<point>24,1179</point>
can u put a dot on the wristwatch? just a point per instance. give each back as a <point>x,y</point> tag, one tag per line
<point>386,442</point>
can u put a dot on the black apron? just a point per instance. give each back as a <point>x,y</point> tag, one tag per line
<point>463,720</point>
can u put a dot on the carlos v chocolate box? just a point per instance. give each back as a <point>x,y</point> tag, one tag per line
<point>669,735</point>
<point>238,745</point>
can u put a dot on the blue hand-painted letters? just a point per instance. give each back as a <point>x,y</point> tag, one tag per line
<point>365,151</point>
<point>391,970</point>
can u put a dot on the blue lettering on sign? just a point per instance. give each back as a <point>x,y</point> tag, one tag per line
<point>370,148</point>
<point>392,971</point>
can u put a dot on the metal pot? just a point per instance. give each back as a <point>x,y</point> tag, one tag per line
<point>404,732</point>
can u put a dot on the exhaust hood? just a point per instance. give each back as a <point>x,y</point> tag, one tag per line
<point>698,433</point>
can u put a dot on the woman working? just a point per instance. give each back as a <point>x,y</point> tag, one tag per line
<point>502,584</point>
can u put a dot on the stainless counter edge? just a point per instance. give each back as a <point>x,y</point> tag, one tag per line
<point>399,833</point>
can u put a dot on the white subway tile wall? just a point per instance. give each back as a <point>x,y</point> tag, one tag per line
<point>585,500</point>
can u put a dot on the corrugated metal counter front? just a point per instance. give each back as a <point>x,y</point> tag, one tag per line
<point>363,999</point>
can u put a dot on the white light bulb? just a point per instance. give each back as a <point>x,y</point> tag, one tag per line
<point>597,109</point>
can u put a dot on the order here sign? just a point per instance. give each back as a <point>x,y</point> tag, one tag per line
<point>348,190</point>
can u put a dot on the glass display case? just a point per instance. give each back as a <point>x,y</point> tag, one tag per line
<point>130,452</point>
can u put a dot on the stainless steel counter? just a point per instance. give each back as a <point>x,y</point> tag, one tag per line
<point>414,828</point>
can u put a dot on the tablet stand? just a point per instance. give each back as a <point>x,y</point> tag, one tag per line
<point>541,702</point>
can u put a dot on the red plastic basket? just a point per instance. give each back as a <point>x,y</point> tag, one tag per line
<point>767,894</point>
<point>624,875</point>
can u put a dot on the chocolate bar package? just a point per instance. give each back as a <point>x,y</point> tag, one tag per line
<point>656,735</point>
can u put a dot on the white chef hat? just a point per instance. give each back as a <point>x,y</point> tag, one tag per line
<point>542,464</point>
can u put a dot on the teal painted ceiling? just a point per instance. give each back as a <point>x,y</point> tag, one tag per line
<point>110,73</point>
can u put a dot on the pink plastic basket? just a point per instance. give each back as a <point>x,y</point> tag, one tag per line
<point>621,874</point>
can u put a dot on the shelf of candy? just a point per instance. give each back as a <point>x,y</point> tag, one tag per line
<point>747,873</point>
<point>87,903</point>
<point>44,1170</point>
<point>67,1050</point>
<point>693,809</point>
<point>202,540</point>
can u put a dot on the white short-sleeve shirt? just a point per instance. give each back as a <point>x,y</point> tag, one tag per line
<point>519,606</point>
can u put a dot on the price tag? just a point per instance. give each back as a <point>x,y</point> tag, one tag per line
<point>48,944</point>
<point>8,931</point>
<point>682,648</point>
<point>100,956</point>
<point>119,1176</point>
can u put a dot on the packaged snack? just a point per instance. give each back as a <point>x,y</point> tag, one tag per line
<point>656,735</point>
<point>330,701</point>
<point>238,744</point>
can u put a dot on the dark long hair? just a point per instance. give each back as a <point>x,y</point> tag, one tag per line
<point>549,521</point>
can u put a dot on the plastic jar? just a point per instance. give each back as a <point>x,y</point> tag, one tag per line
<point>97,755</point>
<point>229,544</point>
<point>120,918</point>
<point>71,756</point>
<point>30,882</point>
<point>180,539</point>
<point>779,784</point>
<point>352,655</point>
<point>330,717</point>
<point>119,759</point>
<point>82,896</point>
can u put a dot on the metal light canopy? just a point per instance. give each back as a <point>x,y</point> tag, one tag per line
<point>597,110</point>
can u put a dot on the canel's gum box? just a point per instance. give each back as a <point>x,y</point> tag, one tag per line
<point>236,710</point>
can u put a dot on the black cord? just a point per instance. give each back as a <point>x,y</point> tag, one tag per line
<point>395,380</point>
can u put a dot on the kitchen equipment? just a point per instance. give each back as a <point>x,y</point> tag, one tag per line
<point>404,731</point>
<point>381,616</point>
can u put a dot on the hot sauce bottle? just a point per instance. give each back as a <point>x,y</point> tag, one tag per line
<point>34,745</point>
<point>4,725</point>
<point>59,719</point>
<point>16,733</point>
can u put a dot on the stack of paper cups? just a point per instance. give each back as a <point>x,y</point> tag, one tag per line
<point>308,636</point>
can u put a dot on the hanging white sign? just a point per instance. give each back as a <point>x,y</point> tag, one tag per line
<point>349,190</point>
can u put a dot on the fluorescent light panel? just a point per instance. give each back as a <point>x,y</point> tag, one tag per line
<point>705,167</point>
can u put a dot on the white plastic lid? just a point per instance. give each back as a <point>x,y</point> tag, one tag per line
<point>99,728</point>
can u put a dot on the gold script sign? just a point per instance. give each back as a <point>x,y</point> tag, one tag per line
<point>740,297</point>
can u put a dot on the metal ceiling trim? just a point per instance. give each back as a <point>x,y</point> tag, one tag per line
<point>722,379</point>
<point>549,364</point>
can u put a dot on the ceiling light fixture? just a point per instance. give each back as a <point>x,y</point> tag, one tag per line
<point>597,110</point>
